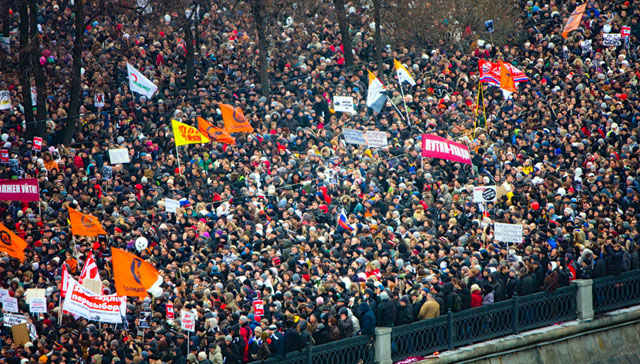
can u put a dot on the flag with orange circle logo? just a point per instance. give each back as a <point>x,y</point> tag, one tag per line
<point>133,275</point>
<point>11,243</point>
<point>234,120</point>
<point>84,224</point>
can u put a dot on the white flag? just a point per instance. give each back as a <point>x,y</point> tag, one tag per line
<point>403,74</point>
<point>140,84</point>
<point>375,94</point>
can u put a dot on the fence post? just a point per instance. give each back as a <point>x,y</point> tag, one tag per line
<point>308,353</point>
<point>514,313</point>
<point>382,346</point>
<point>584,298</point>
<point>450,329</point>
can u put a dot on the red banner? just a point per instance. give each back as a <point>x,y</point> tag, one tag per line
<point>19,190</point>
<point>434,146</point>
<point>170,314</point>
<point>37,143</point>
<point>258,308</point>
<point>4,156</point>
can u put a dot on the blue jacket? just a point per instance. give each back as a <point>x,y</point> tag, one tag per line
<point>367,320</point>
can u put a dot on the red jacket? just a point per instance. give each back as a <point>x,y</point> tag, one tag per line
<point>476,299</point>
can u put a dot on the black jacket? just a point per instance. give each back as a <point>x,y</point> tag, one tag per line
<point>405,314</point>
<point>386,313</point>
<point>528,285</point>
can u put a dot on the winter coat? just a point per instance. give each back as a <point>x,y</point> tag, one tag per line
<point>277,344</point>
<point>476,299</point>
<point>386,313</point>
<point>488,299</point>
<point>405,315</point>
<point>429,309</point>
<point>346,328</point>
<point>551,281</point>
<point>527,285</point>
<point>367,320</point>
<point>512,286</point>
<point>465,295</point>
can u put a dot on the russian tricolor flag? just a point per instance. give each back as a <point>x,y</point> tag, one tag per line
<point>343,222</point>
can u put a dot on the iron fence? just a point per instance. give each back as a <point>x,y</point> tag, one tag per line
<point>419,339</point>
<point>614,292</point>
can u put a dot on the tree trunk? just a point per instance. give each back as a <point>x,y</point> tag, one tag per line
<point>378,36</point>
<point>343,22</point>
<point>5,18</point>
<point>257,9</point>
<point>188,38</point>
<point>24,67</point>
<point>38,128</point>
<point>76,77</point>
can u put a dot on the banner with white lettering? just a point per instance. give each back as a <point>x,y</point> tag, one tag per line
<point>19,190</point>
<point>508,233</point>
<point>434,146</point>
<point>82,302</point>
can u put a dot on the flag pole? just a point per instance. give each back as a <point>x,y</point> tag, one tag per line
<point>396,107</point>
<point>178,158</point>
<point>405,104</point>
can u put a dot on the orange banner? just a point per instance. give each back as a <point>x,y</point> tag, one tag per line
<point>234,120</point>
<point>11,243</point>
<point>133,276</point>
<point>506,79</point>
<point>574,20</point>
<point>214,133</point>
<point>84,224</point>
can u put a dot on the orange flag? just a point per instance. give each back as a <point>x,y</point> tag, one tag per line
<point>133,275</point>
<point>84,224</point>
<point>506,79</point>
<point>214,133</point>
<point>574,20</point>
<point>11,243</point>
<point>234,120</point>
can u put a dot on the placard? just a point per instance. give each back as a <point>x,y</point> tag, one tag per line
<point>434,146</point>
<point>38,305</point>
<point>170,313</point>
<point>5,100</point>
<point>20,334</point>
<point>98,100</point>
<point>19,189</point>
<point>34,96</point>
<point>34,293</point>
<point>343,104</point>
<point>353,136</point>
<point>625,32</point>
<point>376,139</point>
<point>4,156</point>
<point>258,308</point>
<point>9,304</point>
<point>119,156</point>
<point>37,144</point>
<point>82,302</point>
<point>508,233</point>
<point>188,321</point>
<point>485,194</point>
<point>145,320</point>
<point>171,205</point>
<point>611,39</point>
<point>4,293</point>
<point>488,25</point>
<point>107,172</point>
<point>11,319</point>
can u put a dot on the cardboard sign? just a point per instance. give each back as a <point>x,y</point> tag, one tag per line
<point>171,205</point>
<point>93,285</point>
<point>625,32</point>
<point>11,319</point>
<point>32,293</point>
<point>5,100</point>
<point>376,139</point>
<point>98,100</point>
<point>9,304</point>
<point>119,156</point>
<point>37,144</point>
<point>485,194</point>
<point>343,104</point>
<point>20,334</point>
<point>188,321</point>
<point>258,308</point>
<point>353,136</point>
<point>611,40</point>
<point>4,156</point>
<point>170,313</point>
<point>508,233</point>
<point>38,305</point>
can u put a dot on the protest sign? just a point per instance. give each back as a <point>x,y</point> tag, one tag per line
<point>376,139</point>
<point>37,144</point>
<point>107,172</point>
<point>171,205</point>
<point>625,32</point>
<point>258,308</point>
<point>484,194</point>
<point>343,104</point>
<point>170,313</point>
<point>489,26</point>
<point>611,39</point>
<point>188,321</point>
<point>353,136</point>
<point>9,304</point>
<point>434,146</point>
<point>508,233</point>
<point>20,334</point>
<point>4,156</point>
<point>34,96</point>
<point>11,319</point>
<point>119,156</point>
<point>82,302</point>
<point>5,100</point>
<point>98,100</point>
<point>38,305</point>
<point>19,190</point>
<point>145,320</point>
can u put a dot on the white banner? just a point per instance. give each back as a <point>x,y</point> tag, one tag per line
<point>611,40</point>
<point>171,205</point>
<point>10,319</point>
<point>5,100</point>
<point>139,83</point>
<point>508,233</point>
<point>9,304</point>
<point>343,104</point>
<point>188,321</point>
<point>484,194</point>
<point>376,139</point>
<point>38,305</point>
<point>353,136</point>
<point>119,156</point>
<point>82,302</point>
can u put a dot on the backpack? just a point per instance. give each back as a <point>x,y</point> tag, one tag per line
<point>457,303</point>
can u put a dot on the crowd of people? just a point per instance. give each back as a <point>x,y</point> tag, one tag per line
<point>261,217</point>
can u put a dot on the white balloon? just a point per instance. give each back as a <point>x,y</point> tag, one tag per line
<point>141,243</point>
<point>5,137</point>
<point>607,28</point>
<point>156,290</point>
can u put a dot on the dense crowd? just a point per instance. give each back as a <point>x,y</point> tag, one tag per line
<point>261,218</point>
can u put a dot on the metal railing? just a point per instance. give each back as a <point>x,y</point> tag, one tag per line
<point>483,323</point>
<point>614,292</point>
<point>353,350</point>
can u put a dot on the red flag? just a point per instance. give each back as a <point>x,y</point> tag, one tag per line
<point>64,282</point>
<point>325,195</point>
<point>90,270</point>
